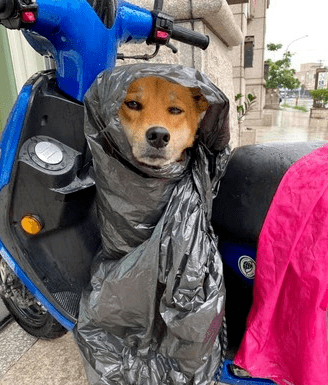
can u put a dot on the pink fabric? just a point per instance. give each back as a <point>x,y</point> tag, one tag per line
<point>286,336</point>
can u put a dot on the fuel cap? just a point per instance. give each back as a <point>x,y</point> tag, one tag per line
<point>48,152</point>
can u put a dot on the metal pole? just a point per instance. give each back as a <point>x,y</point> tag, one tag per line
<point>303,37</point>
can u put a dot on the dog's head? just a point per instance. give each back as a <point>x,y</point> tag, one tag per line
<point>160,119</point>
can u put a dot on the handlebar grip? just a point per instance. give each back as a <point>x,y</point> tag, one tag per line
<point>6,8</point>
<point>187,36</point>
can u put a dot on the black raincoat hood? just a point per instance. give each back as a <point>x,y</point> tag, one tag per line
<point>154,309</point>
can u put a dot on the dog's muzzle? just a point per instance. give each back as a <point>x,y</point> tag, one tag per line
<point>158,137</point>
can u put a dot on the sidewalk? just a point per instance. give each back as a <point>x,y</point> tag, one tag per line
<point>25,360</point>
<point>289,125</point>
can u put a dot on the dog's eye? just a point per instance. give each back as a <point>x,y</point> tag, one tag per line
<point>133,105</point>
<point>175,111</point>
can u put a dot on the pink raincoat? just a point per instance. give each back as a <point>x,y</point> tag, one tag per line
<point>286,336</point>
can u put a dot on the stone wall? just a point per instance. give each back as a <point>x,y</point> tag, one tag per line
<point>319,118</point>
<point>272,100</point>
<point>319,113</point>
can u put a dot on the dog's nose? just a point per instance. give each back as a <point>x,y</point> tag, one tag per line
<point>158,137</point>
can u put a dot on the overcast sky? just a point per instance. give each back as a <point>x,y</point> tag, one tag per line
<point>288,20</point>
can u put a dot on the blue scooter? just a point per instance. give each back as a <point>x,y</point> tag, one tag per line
<point>44,165</point>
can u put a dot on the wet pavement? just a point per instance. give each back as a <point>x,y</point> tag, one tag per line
<point>3,312</point>
<point>289,125</point>
<point>25,360</point>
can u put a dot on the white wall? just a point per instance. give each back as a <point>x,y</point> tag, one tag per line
<point>25,60</point>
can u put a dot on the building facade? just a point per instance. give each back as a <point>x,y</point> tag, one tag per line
<point>248,58</point>
<point>307,75</point>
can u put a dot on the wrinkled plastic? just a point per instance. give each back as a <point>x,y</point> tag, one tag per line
<point>154,309</point>
<point>286,336</point>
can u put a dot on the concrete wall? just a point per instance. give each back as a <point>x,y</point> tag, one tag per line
<point>26,61</point>
<point>252,19</point>
<point>255,83</point>
<point>8,90</point>
<point>272,99</point>
<point>319,113</point>
<point>237,53</point>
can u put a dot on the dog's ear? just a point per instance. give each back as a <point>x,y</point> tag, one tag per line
<point>200,100</point>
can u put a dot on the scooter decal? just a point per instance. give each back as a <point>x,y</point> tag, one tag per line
<point>247,266</point>
<point>241,258</point>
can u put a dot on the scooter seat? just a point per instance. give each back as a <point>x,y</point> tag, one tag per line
<point>247,188</point>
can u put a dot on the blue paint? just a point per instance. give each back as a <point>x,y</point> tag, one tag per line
<point>11,135</point>
<point>9,147</point>
<point>227,377</point>
<point>231,252</point>
<point>81,44</point>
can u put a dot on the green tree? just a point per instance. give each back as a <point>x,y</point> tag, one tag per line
<point>280,74</point>
<point>320,97</point>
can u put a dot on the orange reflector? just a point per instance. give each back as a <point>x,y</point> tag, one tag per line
<point>31,224</point>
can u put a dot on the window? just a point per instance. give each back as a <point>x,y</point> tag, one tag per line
<point>249,51</point>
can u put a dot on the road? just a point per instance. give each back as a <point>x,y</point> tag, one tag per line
<point>289,125</point>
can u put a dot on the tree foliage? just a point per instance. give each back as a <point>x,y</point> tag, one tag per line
<point>273,47</point>
<point>320,97</point>
<point>280,74</point>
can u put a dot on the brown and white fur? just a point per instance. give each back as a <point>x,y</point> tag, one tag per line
<point>160,119</point>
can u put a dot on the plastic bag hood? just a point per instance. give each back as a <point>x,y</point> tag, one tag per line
<point>154,309</point>
<point>107,95</point>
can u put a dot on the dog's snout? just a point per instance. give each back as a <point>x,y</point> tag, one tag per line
<point>158,137</point>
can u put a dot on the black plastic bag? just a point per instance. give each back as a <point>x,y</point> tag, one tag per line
<point>156,301</point>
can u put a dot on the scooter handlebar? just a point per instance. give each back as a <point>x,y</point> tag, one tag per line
<point>79,55</point>
<point>190,37</point>
<point>6,8</point>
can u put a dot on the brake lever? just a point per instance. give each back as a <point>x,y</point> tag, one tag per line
<point>172,47</point>
<point>17,14</point>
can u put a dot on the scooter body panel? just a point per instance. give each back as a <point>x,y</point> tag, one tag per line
<point>82,53</point>
<point>54,264</point>
<point>11,135</point>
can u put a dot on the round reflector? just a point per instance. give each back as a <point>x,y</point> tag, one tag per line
<point>31,224</point>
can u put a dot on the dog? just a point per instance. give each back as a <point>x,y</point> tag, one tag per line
<point>160,119</point>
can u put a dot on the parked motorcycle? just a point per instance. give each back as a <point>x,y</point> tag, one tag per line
<point>48,224</point>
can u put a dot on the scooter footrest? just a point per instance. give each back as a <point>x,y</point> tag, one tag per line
<point>227,377</point>
<point>69,301</point>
